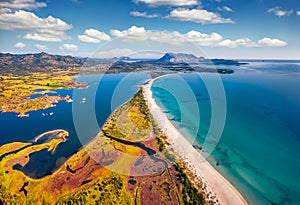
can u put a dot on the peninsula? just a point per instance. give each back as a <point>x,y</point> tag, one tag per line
<point>126,163</point>
<point>134,158</point>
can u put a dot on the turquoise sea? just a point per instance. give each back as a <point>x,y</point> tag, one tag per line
<point>258,151</point>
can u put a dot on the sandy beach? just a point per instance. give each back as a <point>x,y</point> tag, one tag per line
<point>215,186</point>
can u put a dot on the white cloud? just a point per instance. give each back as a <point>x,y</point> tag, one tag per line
<point>47,36</point>
<point>93,36</point>
<point>143,14</point>
<point>68,47</point>
<point>246,42</point>
<point>278,12</point>
<point>41,47</point>
<point>22,4</point>
<point>239,42</point>
<point>298,13</point>
<point>203,39</point>
<point>168,2</point>
<point>268,42</point>
<point>19,45</point>
<point>48,29</point>
<point>132,34</point>
<point>135,33</point>
<point>24,20</point>
<point>198,16</point>
<point>225,8</point>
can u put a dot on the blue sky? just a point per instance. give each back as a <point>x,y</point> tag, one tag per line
<point>263,29</point>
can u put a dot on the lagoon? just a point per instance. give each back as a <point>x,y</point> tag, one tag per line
<point>15,129</point>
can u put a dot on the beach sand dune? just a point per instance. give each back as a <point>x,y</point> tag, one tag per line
<point>215,186</point>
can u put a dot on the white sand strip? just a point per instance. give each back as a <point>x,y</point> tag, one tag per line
<point>216,186</point>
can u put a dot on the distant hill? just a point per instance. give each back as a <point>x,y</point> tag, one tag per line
<point>42,62</point>
<point>39,62</point>
<point>120,66</point>
<point>179,58</point>
<point>177,62</point>
<point>192,59</point>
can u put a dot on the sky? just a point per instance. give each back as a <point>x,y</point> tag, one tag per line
<point>233,29</point>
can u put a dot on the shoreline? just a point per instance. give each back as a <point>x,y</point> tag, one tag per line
<point>214,185</point>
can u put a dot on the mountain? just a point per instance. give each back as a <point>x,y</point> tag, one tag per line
<point>185,62</point>
<point>174,62</point>
<point>39,62</point>
<point>192,59</point>
<point>21,64</point>
<point>121,66</point>
<point>178,58</point>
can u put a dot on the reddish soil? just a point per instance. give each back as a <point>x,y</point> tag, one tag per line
<point>158,189</point>
<point>70,178</point>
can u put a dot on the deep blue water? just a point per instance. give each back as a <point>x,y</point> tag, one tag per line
<point>102,88</point>
<point>258,151</point>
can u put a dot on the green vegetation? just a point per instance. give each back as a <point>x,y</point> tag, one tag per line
<point>107,170</point>
<point>11,180</point>
<point>190,195</point>
<point>161,145</point>
<point>131,121</point>
<point>109,189</point>
<point>15,91</point>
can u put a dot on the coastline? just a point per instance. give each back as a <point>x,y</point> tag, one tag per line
<point>214,185</point>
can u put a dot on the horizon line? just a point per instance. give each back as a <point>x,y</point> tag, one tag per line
<point>241,59</point>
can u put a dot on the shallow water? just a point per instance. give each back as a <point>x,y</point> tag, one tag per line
<point>258,151</point>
